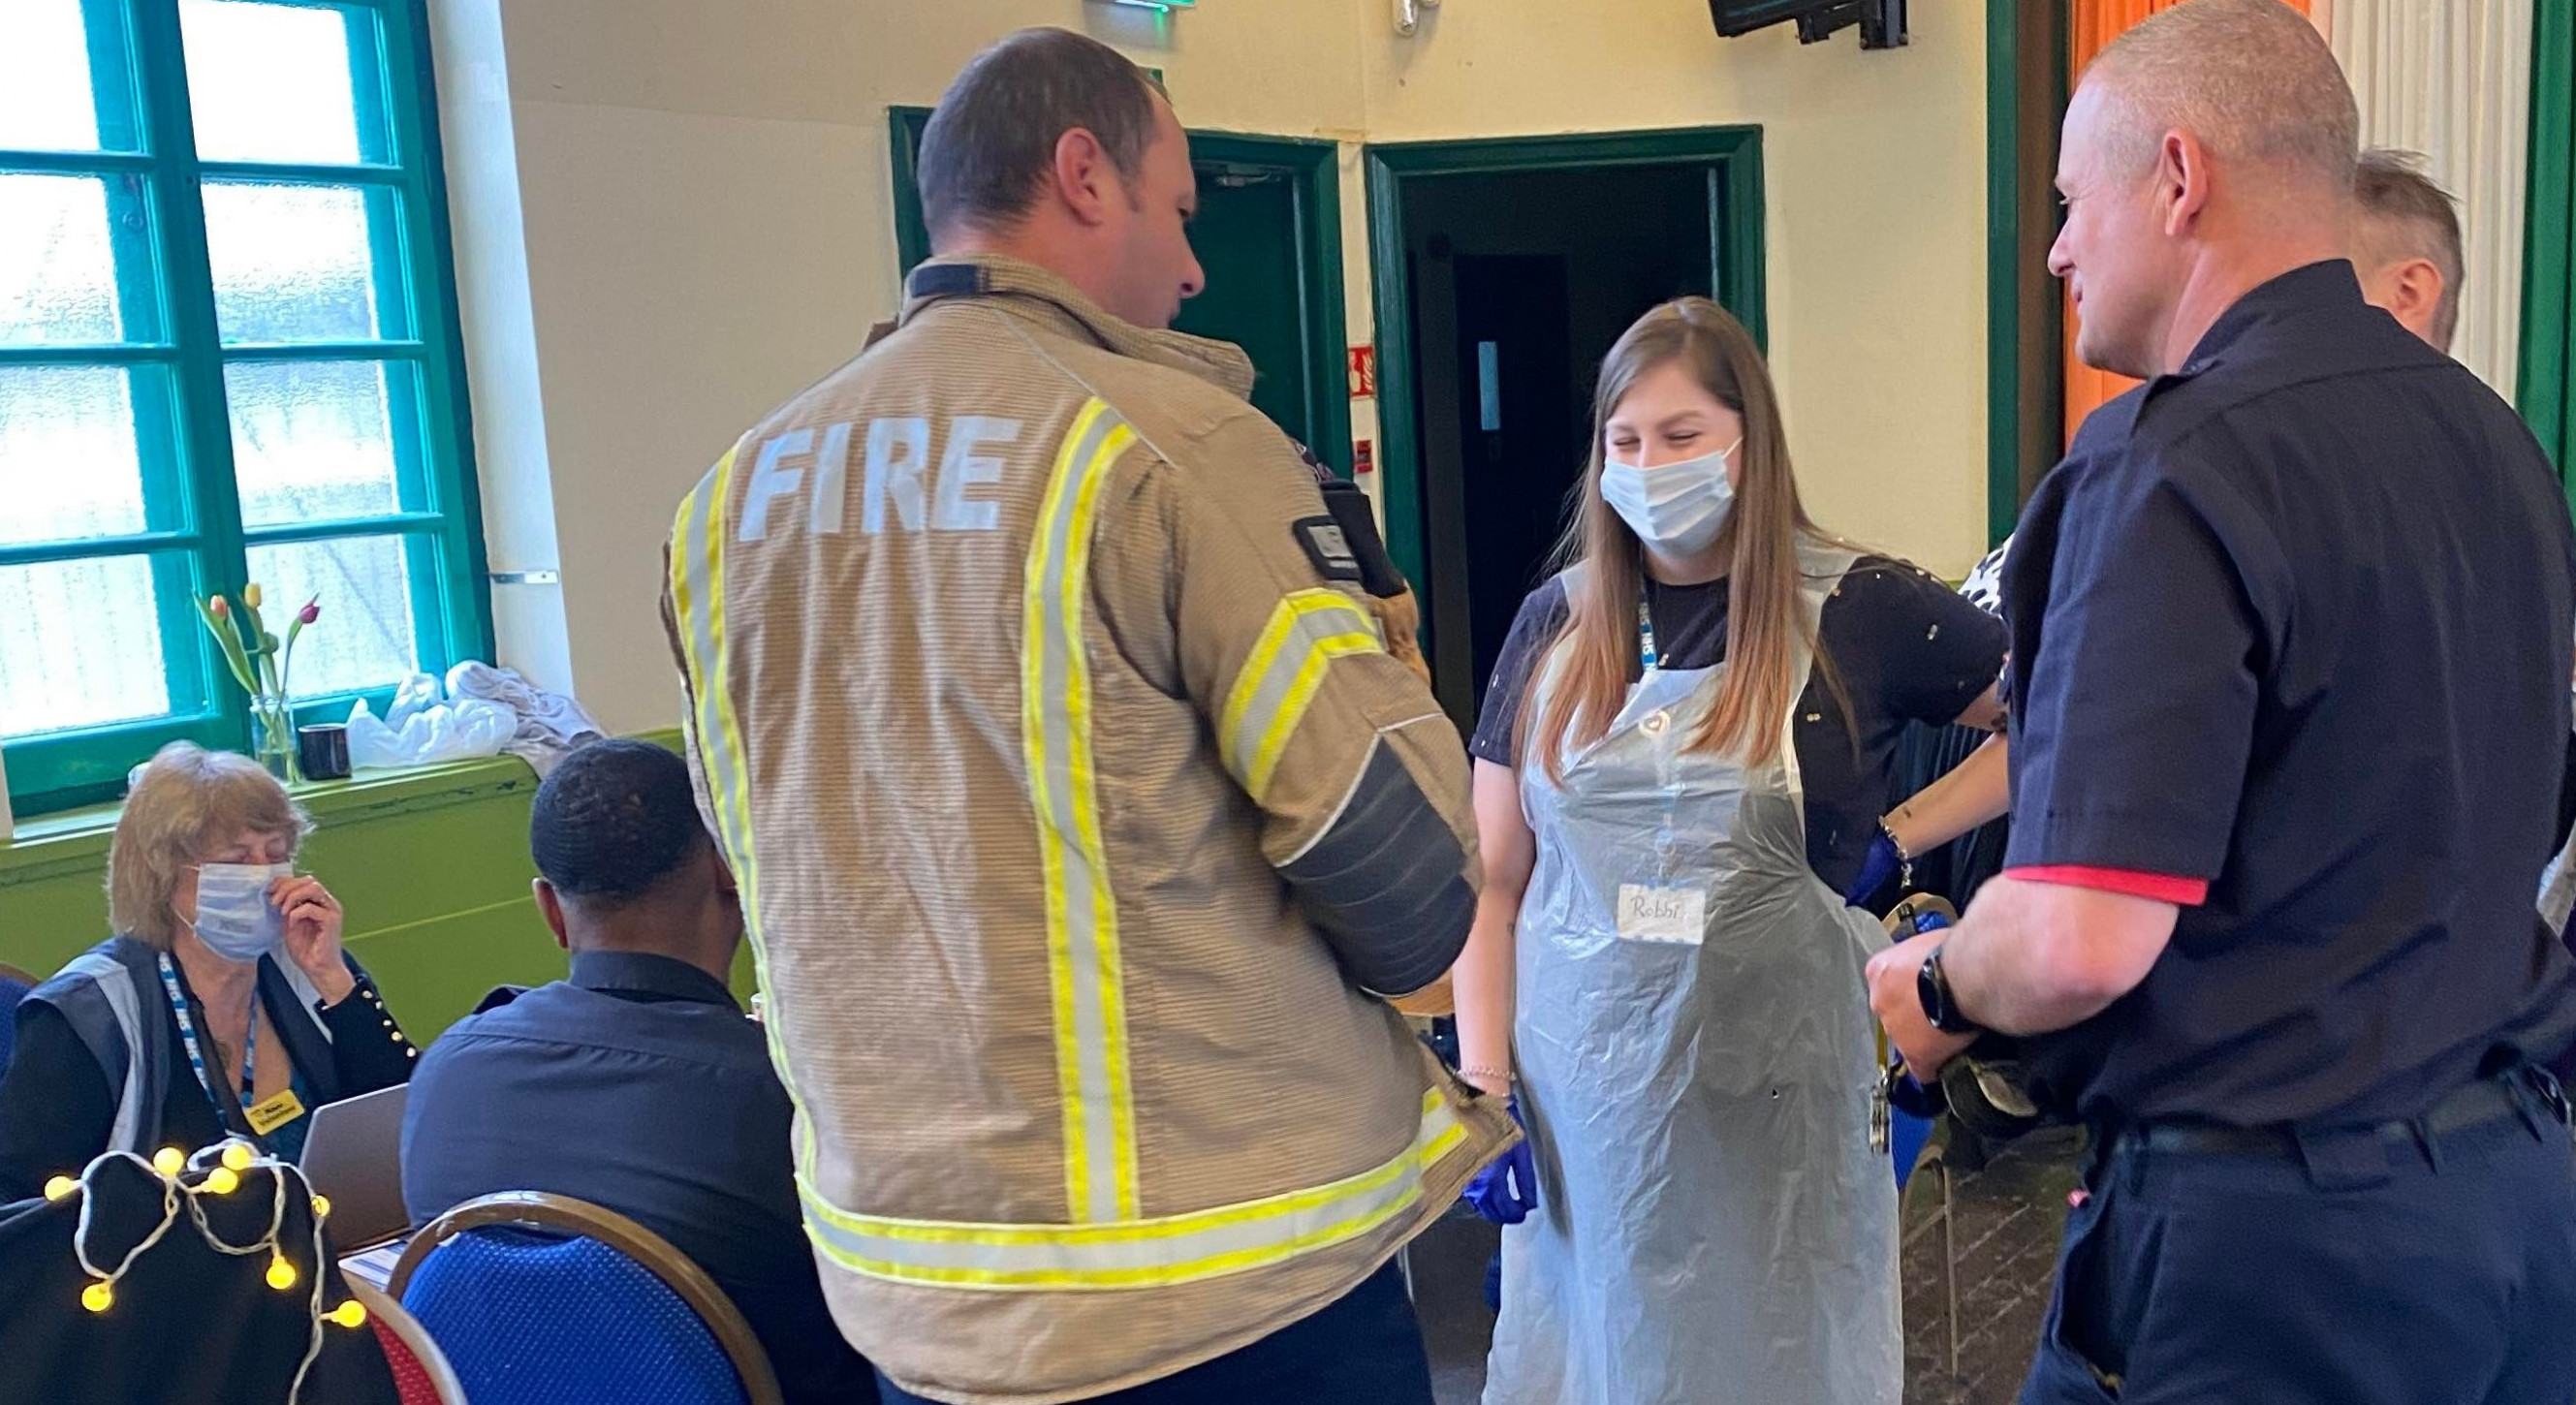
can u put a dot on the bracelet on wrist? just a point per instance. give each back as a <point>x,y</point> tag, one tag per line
<point>1475,1072</point>
<point>1904,856</point>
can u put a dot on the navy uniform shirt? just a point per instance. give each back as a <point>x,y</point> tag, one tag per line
<point>637,1084</point>
<point>2290,648</point>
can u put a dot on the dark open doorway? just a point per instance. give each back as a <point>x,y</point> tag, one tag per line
<point>1504,272</point>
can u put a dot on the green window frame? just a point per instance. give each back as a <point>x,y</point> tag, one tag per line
<point>2546,385</point>
<point>194,536</point>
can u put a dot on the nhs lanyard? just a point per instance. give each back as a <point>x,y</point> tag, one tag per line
<point>196,1057</point>
<point>1646,655</point>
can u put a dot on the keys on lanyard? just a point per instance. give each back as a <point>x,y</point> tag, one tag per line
<point>1882,1115</point>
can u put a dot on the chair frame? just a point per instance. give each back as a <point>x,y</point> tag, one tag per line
<point>407,1329</point>
<point>562,1214</point>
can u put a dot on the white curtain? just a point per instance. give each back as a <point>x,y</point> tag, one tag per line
<point>2452,79</point>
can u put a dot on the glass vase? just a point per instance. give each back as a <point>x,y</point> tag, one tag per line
<point>272,736</point>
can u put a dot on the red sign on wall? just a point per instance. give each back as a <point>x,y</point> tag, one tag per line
<point>1363,371</point>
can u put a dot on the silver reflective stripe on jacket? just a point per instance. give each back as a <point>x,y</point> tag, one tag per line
<point>115,986</point>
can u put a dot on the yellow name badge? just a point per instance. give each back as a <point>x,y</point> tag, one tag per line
<point>268,1116</point>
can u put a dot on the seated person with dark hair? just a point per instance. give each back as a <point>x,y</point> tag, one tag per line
<point>637,1083</point>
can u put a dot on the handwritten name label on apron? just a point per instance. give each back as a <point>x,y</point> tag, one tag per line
<point>1653,913</point>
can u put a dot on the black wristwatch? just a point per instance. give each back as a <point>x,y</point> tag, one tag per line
<point>1932,987</point>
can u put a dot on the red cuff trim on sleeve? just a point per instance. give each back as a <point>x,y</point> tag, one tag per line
<point>2163,888</point>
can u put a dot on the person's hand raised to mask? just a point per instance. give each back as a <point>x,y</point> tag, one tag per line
<point>312,934</point>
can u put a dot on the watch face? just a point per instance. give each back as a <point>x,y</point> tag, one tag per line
<point>1927,989</point>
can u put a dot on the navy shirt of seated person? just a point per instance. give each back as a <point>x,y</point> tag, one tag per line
<point>637,1083</point>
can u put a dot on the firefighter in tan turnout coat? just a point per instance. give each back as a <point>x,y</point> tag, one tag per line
<point>1081,815</point>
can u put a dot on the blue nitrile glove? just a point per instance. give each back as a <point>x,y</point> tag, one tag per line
<point>1904,1092</point>
<point>1920,1100</point>
<point>1506,1191</point>
<point>1880,864</point>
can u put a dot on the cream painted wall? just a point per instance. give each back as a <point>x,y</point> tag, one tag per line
<point>703,188</point>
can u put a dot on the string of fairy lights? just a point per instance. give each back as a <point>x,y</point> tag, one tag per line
<point>186,1181</point>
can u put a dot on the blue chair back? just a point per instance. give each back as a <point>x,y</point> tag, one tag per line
<point>14,985</point>
<point>529,1317</point>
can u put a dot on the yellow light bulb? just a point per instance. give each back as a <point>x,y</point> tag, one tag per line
<point>59,1187</point>
<point>98,1297</point>
<point>281,1274</point>
<point>321,1207</point>
<point>352,1313</point>
<point>222,1181</point>
<point>237,1157</point>
<point>167,1161</point>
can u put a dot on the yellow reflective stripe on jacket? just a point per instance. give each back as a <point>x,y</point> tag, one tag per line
<point>1306,632</point>
<point>697,600</point>
<point>1138,1252</point>
<point>1082,917</point>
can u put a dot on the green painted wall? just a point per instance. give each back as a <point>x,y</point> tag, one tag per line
<point>431,866</point>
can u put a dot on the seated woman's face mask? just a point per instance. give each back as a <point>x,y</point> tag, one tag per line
<point>235,919</point>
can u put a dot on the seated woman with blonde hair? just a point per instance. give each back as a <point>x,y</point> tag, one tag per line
<point>222,1006</point>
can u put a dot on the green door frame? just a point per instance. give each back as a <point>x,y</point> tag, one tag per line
<point>2546,385</point>
<point>2026,48</point>
<point>1734,156</point>
<point>1313,168</point>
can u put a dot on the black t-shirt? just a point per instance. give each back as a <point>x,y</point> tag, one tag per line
<point>1907,648</point>
<point>2292,624</point>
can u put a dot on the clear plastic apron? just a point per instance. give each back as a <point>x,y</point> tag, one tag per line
<point>1697,1063</point>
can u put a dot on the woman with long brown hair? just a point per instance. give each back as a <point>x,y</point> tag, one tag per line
<point>1681,763</point>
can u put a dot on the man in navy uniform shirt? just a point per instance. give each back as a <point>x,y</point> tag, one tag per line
<point>2290,631</point>
<point>637,1084</point>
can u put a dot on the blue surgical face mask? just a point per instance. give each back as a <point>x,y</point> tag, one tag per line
<point>1675,508</point>
<point>235,919</point>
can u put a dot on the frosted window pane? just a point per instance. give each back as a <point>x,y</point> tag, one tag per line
<point>68,464</point>
<point>80,645</point>
<point>291,263</point>
<point>45,102</point>
<point>364,638</point>
<point>269,82</point>
<point>57,267</point>
<point>313,440</point>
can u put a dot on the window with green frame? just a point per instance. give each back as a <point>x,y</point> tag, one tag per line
<point>2548,382</point>
<point>228,353</point>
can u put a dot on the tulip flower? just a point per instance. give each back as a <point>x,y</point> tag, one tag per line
<point>217,615</point>
<point>261,662</point>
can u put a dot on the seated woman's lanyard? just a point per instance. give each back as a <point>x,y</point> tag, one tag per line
<point>1646,655</point>
<point>263,1117</point>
